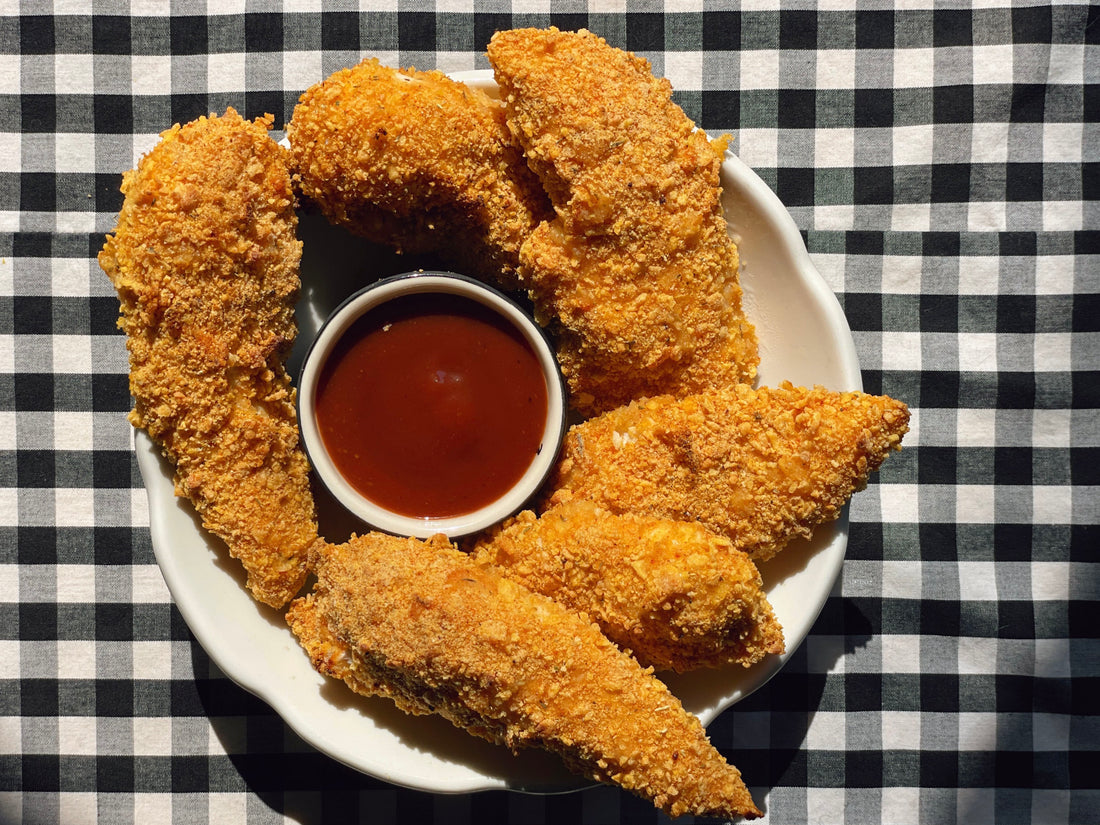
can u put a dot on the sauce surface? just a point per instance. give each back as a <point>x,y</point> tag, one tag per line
<point>432,406</point>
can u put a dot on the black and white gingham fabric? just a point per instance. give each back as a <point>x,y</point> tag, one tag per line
<point>943,162</point>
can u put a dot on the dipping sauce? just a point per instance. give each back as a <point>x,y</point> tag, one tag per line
<point>432,406</point>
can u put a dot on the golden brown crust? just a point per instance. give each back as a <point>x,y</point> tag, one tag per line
<point>418,161</point>
<point>675,594</point>
<point>758,466</point>
<point>637,268</point>
<point>205,262</point>
<point>422,623</point>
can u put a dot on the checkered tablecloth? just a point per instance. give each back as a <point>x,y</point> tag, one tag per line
<point>943,162</point>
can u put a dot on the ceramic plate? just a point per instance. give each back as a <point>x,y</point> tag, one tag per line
<point>804,338</point>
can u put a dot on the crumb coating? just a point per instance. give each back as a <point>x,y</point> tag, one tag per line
<point>417,161</point>
<point>760,467</point>
<point>205,262</point>
<point>422,623</point>
<point>674,594</point>
<point>637,270</point>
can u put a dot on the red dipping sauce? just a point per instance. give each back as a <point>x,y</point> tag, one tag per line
<point>432,406</point>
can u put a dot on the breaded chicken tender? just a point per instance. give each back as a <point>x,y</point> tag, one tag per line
<point>673,593</point>
<point>422,623</point>
<point>205,262</point>
<point>420,162</point>
<point>636,271</point>
<point>758,466</point>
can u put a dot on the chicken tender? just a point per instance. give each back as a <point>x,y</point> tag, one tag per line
<point>758,466</point>
<point>674,594</point>
<point>420,162</point>
<point>422,623</point>
<point>637,270</point>
<point>205,262</point>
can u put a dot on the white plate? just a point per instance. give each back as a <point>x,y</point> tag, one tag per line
<point>804,338</point>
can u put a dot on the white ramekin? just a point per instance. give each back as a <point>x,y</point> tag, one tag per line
<point>439,283</point>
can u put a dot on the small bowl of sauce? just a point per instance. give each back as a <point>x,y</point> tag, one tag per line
<point>431,403</point>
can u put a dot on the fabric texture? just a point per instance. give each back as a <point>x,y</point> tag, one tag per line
<point>943,164</point>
